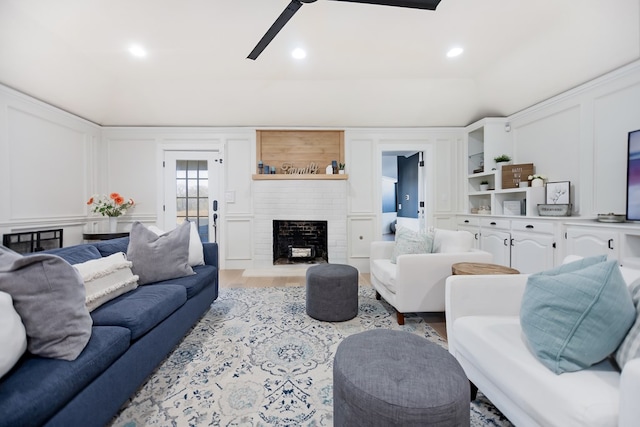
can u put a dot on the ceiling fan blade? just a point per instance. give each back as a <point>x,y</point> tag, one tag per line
<point>284,17</point>
<point>415,4</point>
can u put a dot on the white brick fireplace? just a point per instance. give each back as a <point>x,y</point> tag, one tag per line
<point>300,200</point>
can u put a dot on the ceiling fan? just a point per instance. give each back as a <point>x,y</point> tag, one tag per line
<point>293,7</point>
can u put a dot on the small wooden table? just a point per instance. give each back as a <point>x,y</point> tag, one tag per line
<point>462,268</point>
<point>103,236</point>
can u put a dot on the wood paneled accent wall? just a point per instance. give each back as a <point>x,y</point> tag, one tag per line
<point>299,148</point>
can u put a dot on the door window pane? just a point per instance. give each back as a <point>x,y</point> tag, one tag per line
<point>192,202</point>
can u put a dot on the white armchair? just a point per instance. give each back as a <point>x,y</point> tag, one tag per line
<point>416,282</point>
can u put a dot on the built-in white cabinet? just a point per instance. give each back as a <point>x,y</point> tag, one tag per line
<point>472,225</point>
<point>528,245</point>
<point>617,241</point>
<point>589,241</point>
<point>495,237</point>
<point>533,245</point>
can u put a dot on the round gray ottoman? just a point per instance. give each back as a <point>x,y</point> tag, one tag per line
<point>332,292</point>
<point>394,378</point>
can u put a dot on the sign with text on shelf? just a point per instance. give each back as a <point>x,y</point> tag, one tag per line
<point>513,174</point>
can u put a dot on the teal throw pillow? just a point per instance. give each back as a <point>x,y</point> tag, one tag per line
<point>411,242</point>
<point>575,315</point>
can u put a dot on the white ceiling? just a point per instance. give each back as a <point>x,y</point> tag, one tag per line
<point>367,65</point>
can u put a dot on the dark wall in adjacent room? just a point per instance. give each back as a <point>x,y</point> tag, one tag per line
<point>408,186</point>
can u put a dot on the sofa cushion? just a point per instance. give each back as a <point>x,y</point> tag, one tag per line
<point>48,294</point>
<point>112,246</point>
<point>630,347</point>
<point>141,309</point>
<point>157,258</point>
<point>13,336</point>
<point>74,254</point>
<point>106,278</point>
<point>411,242</point>
<point>39,387</point>
<point>196,255</point>
<point>575,317</point>
<point>385,272</point>
<point>448,241</point>
<point>493,347</point>
<point>204,275</point>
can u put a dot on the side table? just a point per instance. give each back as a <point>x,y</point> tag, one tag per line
<point>466,268</point>
<point>104,236</point>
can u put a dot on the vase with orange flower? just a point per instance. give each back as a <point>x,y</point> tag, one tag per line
<point>112,206</point>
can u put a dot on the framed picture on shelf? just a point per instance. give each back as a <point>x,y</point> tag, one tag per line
<point>558,193</point>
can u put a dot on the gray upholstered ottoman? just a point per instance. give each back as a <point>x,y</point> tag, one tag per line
<point>394,378</point>
<point>332,292</point>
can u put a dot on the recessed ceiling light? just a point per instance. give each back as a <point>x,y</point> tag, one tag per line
<point>299,53</point>
<point>456,51</point>
<point>137,51</point>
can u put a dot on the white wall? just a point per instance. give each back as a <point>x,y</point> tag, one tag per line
<point>48,166</point>
<point>581,136</point>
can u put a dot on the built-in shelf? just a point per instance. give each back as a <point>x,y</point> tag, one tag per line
<point>282,176</point>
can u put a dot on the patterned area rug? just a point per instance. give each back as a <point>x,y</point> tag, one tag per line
<point>257,359</point>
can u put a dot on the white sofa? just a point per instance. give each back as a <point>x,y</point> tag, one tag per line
<point>416,282</point>
<point>484,335</point>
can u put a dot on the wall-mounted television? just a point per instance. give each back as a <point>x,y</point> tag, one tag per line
<point>633,177</point>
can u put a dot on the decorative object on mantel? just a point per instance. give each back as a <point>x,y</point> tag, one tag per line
<point>513,175</point>
<point>537,180</point>
<point>334,165</point>
<point>341,167</point>
<point>523,184</point>
<point>111,206</point>
<point>260,167</point>
<point>329,170</point>
<point>289,168</point>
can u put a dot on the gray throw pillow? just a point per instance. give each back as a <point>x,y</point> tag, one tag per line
<point>48,294</point>
<point>157,258</point>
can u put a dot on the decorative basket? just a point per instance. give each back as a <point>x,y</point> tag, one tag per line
<point>554,210</point>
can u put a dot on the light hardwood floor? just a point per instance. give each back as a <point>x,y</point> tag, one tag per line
<point>235,279</point>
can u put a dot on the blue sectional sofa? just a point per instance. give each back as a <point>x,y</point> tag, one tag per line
<point>131,336</point>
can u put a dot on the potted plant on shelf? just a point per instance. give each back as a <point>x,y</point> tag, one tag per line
<point>341,168</point>
<point>484,185</point>
<point>502,159</point>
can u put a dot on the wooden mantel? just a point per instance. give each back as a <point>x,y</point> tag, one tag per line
<point>299,149</point>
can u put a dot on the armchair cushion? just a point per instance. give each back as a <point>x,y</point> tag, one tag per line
<point>411,242</point>
<point>575,317</point>
<point>630,347</point>
<point>448,241</point>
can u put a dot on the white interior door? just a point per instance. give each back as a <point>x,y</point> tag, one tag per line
<point>192,189</point>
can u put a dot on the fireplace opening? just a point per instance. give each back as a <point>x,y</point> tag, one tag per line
<point>300,242</point>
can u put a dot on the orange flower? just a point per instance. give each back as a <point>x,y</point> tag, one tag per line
<point>118,200</point>
<point>90,202</point>
<point>115,196</point>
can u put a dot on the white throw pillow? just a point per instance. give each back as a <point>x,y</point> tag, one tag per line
<point>13,335</point>
<point>447,241</point>
<point>196,254</point>
<point>106,278</point>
